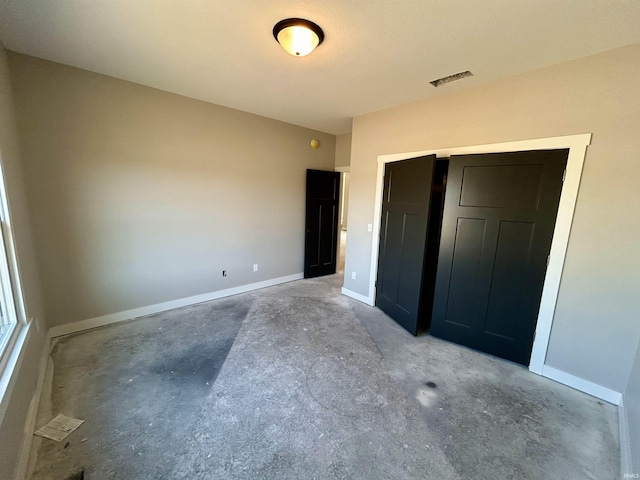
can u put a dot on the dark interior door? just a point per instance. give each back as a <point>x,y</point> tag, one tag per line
<point>321,229</point>
<point>499,215</point>
<point>403,235</point>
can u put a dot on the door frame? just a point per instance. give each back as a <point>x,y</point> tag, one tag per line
<point>342,170</point>
<point>577,145</point>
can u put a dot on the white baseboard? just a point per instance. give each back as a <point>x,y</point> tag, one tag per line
<point>163,307</point>
<point>625,439</point>
<point>32,415</point>
<point>585,386</point>
<point>358,296</point>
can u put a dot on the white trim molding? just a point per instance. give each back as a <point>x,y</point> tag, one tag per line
<point>625,440</point>
<point>11,364</point>
<point>90,323</point>
<point>32,415</point>
<point>577,146</point>
<point>583,385</point>
<point>358,296</point>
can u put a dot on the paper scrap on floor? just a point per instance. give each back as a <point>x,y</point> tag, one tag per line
<point>59,428</point>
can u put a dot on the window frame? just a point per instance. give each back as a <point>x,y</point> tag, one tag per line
<point>14,338</point>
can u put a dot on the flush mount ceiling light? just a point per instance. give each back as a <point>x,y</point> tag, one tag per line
<point>297,36</point>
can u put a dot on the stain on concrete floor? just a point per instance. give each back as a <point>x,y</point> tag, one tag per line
<point>139,385</point>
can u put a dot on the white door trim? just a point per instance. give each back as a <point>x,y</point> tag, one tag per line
<point>577,145</point>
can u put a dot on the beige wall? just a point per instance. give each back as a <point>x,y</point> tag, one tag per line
<point>14,406</point>
<point>140,196</point>
<point>596,327</point>
<point>343,150</point>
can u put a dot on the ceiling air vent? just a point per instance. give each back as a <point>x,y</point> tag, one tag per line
<point>451,78</point>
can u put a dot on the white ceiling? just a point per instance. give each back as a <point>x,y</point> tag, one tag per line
<point>376,53</point>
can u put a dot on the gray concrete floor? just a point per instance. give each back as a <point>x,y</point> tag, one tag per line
<point>297,381</point>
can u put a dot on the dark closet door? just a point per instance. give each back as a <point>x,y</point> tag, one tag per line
<point>499,215</point>
<point>403,234</point>
<point>321,229</point>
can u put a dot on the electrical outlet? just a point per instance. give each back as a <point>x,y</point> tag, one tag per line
<point>255,267</point>
<point>224,273</point>
<point>353,275</point>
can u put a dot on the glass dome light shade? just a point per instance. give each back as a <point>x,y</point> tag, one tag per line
<point>298,37</point>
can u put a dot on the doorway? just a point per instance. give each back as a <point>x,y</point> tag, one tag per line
<point>577,146</point>
<point>494,239</point>
<point>344,217</point>
<point>321,223</point>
